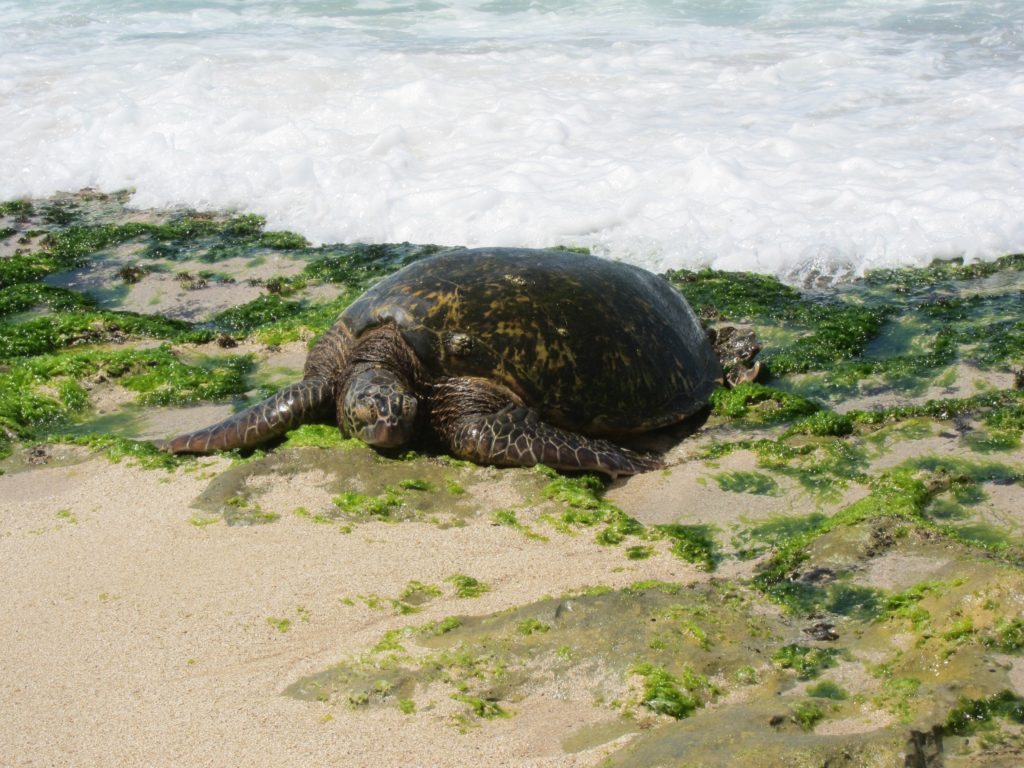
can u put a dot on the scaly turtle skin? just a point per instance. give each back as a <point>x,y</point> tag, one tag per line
<point>512,357</point>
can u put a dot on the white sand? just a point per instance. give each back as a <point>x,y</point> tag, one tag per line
<point>135,638</point>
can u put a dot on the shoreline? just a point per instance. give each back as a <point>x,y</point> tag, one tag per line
<point>830,564</point>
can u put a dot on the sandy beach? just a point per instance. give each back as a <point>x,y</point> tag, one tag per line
<point>826,572</point>
<point>136,637</point>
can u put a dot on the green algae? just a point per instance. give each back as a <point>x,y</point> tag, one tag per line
<point>752,541</point>
<point>398,501</point>
<point>1004,426</point>
<point>806,661</point>
<point>185,236</point>
<point>584,507</point>
<point>414,596</point>
<point>280,624</point>
<point>43,393</point>
<point>759,404</point>
<point>907,280</point>
<point>1007,636</point>
<point>209,239</point>
<point>737,296</point>
<point>17,209</point>
<point>648,631</point>
<point>466,586</point>
<point>903,493</point>
<point>971,715</point>
<point>50,333</point>
<point>25,296</point>
<point>639,552</point>
<point>692,543</point>
<point>361,505</point>
<point>858,339</point>
<point>826,689</point>
<point>531,626</point>
<point>359,265</point>
<point>118,449</point>
<point>508,518</point>
<point>319,436</point>
<point>822,469</point>
<point>756,483</point>
<point>668,694</point>
<point>840,334</point>
<point>906,604</point>
<point>823,424</point>
<point>415,484</point>
<point>913,684</point>
<point>242,511</point>
<point>482,708</point>
<point>807,714</point>
<point>258,312</point>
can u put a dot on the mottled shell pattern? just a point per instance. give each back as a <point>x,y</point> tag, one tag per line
<point>593,345</point>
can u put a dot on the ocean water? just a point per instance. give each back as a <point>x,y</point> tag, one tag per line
<point>794,137</point>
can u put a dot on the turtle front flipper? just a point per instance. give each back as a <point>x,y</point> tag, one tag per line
<point>270,418</point>
<point>483,423</point>
<point>517,437</point>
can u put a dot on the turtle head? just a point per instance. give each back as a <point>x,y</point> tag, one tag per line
<point>378,408</point>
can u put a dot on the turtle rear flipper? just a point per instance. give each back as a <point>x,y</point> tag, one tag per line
<point>285,410</point>
<point>482,425</point>
<point>736,349</point>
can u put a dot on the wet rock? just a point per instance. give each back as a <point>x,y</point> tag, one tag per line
<point>822,630</point>
<point>38,454</point>
<point>924,749</point>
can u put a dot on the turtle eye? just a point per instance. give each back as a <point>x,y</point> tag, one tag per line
<point>382,409</point>
<point>408,407</point>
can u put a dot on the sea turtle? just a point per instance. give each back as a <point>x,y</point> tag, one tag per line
<point>511,357</point>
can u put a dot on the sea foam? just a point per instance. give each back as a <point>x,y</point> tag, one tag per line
<point>796,138</point>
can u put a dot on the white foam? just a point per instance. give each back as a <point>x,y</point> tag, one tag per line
<point>785,137</point>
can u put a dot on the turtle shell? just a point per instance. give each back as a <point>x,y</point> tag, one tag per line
<point>593,345</point>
